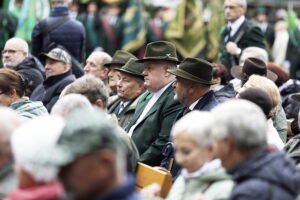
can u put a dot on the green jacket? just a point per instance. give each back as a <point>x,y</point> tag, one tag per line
<point>152,133</point>
<point>214,185</point>
<point>29,109</point>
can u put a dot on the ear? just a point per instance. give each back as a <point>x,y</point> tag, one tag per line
<point>141,87</point>
<point>12,93</point>
<point>106,71</point>
<point>100,104</point>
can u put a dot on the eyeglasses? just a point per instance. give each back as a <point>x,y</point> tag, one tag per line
<point>10,51</point>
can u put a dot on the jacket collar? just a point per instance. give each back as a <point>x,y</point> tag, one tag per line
<point>59,11</point>
<point>54,79</point>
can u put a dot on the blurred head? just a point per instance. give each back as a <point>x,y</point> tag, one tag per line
<point>254,52</point>
<point>94,163</point>
<point>240,130</point>
<point>91,87</point>
<point>14,52</point>
<point>261,15</point>
<point>12,87</point>
<point>68,103</point>
<point>268,86</point>
<point>220,73</point>
<point>95,64</point>
<point>234,9</point>
<point>156,75</point>
<point>27,142</point>
<point>9,121</point>
<point>283,76</point>
<point>193,141</point>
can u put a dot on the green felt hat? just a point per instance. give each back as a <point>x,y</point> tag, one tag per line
<point>133,68</point>
<point>160,50</point>
<point>120,58</point>
<point>195,69</point>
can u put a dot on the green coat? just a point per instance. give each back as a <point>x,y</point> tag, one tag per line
<point>152,133</point>
<point>248,35</point>
<point>214,185</point>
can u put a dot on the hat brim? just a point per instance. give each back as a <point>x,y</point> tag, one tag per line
<point>130,73</point>
<point>237,72</point>
<point>296,97</point>
<point>186,75</point>
<point>43,57</point>
<point>113,63</point>
<point>170,59</point>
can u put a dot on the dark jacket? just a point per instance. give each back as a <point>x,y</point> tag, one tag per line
<point>152,133</point>
<point>206,103</point>
<point>70,34</point>
<point>225,93</point>
<point>124,192</point>
<point>265,176</point>
<point>32,71</point>
<point>48,92</point>
<point>290,106</point>
<point>248,35</point>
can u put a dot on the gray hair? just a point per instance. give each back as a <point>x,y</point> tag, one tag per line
<point>243,121</point>
<point>31,138</point>
<point>198,125</point>
<point>243,3</point>
<point>254,52</point>
<point>65,105</point>
<point>90,86</point>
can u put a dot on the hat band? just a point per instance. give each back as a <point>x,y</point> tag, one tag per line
<point>195,77</point>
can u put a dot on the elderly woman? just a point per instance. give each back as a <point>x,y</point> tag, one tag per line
<point>202,174</point>
<point>277,112</point>
<point>12,90</point>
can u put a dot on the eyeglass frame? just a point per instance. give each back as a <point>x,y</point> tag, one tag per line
<point>10,51</point>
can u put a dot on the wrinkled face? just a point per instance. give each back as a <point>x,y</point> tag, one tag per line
<point>129,87</point>
<point>87,177</point>
<point>188,154</point>
<point>222,150</point>
<point>182,87</point>
<point>94,66</point>
<point>12,54</point>
<point>154,75</point>
<point>233,10</point>
<point>53,67</point>
<point>113,77</point>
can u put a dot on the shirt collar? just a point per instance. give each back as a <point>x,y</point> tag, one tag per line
<point>192,106</point>
<point>159,92</point>
<point>207,167</point>
<point>236,25</point>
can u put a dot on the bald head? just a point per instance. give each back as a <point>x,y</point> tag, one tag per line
<point>95,64</point>
<point>14,52</point>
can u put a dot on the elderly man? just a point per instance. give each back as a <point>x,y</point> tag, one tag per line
<point>238,34</point>
<point>15,56</point>
<point>130,88</point>
<point>119,59</point>
<point>58,76</point>
<point>193,80</point>
<point>95,66</point>
<point>150,126</point>
<point>94,166</point>
<point>259,172</point>
<point>9,121</point>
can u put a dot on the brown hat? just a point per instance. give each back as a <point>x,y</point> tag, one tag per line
<point>120,58</point>
<point>133,68</point>
<point>195,69</point>
<point>160,50</point>
<point>250,67</point>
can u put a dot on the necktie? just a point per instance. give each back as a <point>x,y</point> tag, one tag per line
<point>227,33</point>
<point>121,107</point>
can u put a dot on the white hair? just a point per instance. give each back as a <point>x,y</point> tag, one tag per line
<point>243,121</point>
<point>66,104</point>
<point>198,125</point>
<point>254,52</point>
<point>102,56</point>
<point>31,138</point>
<point>20,43</point>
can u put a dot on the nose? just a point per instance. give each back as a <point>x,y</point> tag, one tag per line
<point>86,68</point>
<point>178,158</point>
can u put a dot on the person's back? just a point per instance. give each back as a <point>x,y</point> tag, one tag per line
<point>265,175</point>
<point>70,33</point>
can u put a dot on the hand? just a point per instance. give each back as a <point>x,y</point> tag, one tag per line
<point>232,48</point>
<point>152,190</point>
